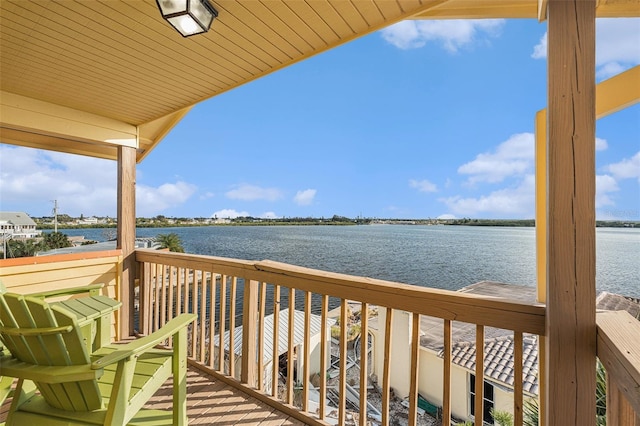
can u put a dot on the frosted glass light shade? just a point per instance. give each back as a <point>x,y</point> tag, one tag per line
<point>188,17</point>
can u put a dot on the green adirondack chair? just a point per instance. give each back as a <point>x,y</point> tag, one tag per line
<point>74,387</point>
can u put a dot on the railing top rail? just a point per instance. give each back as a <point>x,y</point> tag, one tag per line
<point>618,347</point>
<point>488,311</point>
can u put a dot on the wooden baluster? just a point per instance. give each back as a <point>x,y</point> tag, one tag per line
<point>232,327</point>
<point>386,366</point>
<point>185,300</point>
<point>292,311</point>
<point>223,319</point>
<point>343,362</point>
<point>275,363</point>
<point>305,351</point>
<point>517,378</point>
<point>145,300</point>
<point>446,385</point>
<point>261,308</point>
<point>323,353</point>
<point>413,370</point>
<point>163,295</point>
<point>194,309</point>
<point>479,401</point>
<point>156,305</point>
<point>203,314</point>
<point>364,361</point>
<point>172,283</point>
<point>179,273</point>
<point>212,319</point>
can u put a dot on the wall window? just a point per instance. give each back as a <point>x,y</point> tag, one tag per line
<point>488,399</point>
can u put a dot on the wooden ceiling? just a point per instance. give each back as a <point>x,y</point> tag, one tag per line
<point>86,76</point>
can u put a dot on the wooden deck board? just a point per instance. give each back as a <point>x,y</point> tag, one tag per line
<point>210,401</point>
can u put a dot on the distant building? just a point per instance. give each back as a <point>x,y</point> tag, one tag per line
<point>88,221</point>
<point>17,225</point>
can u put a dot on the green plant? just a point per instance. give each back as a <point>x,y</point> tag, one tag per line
<point>502,418</point>
<point>531,408</point>
<point>170,241</point>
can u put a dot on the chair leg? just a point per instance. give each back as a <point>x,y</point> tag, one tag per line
<point>25,390</point>
<point>179,366</point>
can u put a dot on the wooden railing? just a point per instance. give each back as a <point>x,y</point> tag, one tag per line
<point>618,346</point>
<point>226,293</point>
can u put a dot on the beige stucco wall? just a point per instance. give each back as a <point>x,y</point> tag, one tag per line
<point>399,372</point>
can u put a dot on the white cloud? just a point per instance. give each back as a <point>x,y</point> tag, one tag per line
<point>269,215</point>
<point>617,45</point>
<point>207,195</point>
<point>628,168</point>
<point>151,200</point>
<point>513,202</point>
<point>446,216</point>
<point>451,34</point>
<point>618,40</point>
<point>30,179</point>
<point>423,185</point>
<point>81,185</point>
<point>229,214</point>
<point>305,198</point>
<point>605,185</point>
<point>601,144</point>
<point>540,49</point>
<point>253,192</point>
<point>514,157</point>
<point>609,70</point>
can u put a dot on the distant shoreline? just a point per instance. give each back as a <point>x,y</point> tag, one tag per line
<point>200,222</point>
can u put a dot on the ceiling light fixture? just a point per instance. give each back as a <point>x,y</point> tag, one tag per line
<point>189,17</point>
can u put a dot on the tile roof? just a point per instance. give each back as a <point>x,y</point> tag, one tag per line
<point>498,360</point>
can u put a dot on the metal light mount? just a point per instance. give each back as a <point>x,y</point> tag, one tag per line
<point>188,17</point>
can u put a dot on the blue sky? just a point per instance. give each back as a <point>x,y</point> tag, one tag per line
<point>424,119</point>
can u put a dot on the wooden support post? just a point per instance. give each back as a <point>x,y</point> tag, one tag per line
<point>541,248</point>
<point>127,234</point>
<point>249,333</point>
<point>570,325</point>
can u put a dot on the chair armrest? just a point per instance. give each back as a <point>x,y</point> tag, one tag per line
<point>144,343</point>
<point>13,367</point>
<point>92,289</point>
<point>30,332</point>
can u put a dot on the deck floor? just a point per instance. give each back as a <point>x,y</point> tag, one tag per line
<point>212,402</point>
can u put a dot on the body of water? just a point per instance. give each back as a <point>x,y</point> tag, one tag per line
<point>445,257</point>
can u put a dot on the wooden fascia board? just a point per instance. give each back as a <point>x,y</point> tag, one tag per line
<point>453,9</point>
<point>542,10</point>
<point>153,132</point>
<point>43,118</point>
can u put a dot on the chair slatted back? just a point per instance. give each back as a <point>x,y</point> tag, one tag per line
<point>49,348</point>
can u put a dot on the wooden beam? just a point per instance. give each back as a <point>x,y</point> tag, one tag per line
<point>541,205</point>
<point>127,233</point>
<point>570,325</point>
<point>44,118</point>
<point>617,93</point>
